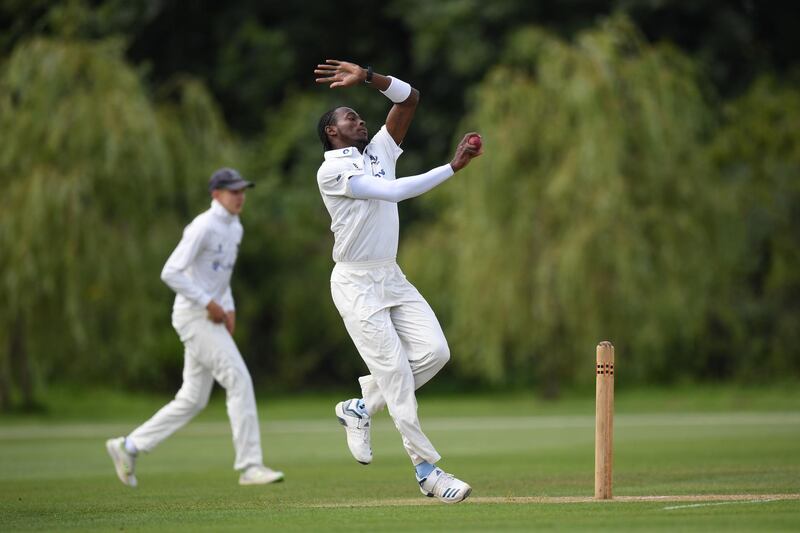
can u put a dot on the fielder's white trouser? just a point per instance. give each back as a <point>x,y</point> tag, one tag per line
<point>210,354</point>
<point>398,337</point>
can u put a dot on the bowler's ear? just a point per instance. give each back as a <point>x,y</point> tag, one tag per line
<point>331,130</point>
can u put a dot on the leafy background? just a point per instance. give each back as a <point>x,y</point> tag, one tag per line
<point>640,184</point>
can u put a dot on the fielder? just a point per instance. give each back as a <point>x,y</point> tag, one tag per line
<point>199,271</point>
<point>391,324</point>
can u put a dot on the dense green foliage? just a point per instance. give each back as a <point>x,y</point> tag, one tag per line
<point>98,180</point>
<point>592,215</point>
<point>630,190</point>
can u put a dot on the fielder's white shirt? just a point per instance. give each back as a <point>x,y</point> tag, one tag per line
<point>200,268</point>
<point>363,230</point>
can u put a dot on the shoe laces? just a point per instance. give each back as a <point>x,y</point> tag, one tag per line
<point>257,471</point>
<point>361,433</point>
<point>443,481</point>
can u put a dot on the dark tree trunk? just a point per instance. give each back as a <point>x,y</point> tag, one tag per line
<point>5,379</point>
<point>21,365</point>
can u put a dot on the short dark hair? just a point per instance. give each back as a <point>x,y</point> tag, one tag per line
<point>324,121</point>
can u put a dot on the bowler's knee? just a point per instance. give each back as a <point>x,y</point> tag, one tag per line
<point>191,404</point>
<point>199,404</point>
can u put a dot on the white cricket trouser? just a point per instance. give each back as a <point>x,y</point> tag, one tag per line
<point>398,337</point>
<point>210,354</point>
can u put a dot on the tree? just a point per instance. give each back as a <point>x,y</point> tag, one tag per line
<point>591,216</point>
<point>94,175</point>
<point>753,331</point>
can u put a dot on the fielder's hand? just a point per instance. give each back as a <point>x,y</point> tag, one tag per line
<point>216,313</point>
<point>230,321</point>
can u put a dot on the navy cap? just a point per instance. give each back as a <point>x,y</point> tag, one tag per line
<point>228,178</point>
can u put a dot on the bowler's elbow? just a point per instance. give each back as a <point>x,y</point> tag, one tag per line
<point>413,98</point>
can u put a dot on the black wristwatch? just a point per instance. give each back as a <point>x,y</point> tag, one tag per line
<point>369,75</point>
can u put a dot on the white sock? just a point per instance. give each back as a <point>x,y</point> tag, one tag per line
<point>130,447</point>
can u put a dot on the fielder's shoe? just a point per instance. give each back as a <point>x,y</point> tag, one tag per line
<point>124,462</point>
<point>259,475</point>
<point>444,486</point>
<point>356,425</point>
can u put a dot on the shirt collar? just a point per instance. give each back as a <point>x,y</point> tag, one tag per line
<point>219,210</point>
<point>348,152</point>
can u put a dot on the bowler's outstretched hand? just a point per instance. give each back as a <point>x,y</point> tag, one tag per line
<point>340,73</point>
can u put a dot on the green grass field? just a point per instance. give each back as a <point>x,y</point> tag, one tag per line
<point>530,463</point>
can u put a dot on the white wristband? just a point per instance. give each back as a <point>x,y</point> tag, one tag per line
<point>398,90</point>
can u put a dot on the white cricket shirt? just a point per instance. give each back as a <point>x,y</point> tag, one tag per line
<point>363,230</point>
<point>199,269</point>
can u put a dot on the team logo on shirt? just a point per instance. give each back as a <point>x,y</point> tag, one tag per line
<point>219,264</point>
<point>375,162</point>
<point>216,266</point>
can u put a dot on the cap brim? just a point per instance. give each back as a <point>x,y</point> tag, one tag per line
<point>239,185</point>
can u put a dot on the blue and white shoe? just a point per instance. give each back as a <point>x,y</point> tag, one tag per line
<point>356,425</point>
<point>444,486</point>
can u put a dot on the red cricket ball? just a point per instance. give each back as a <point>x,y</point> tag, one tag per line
<point>475,140</point>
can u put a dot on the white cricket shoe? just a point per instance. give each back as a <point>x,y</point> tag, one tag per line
<point>259,475</point>
<point>444,486</point>
<point>124,462</point>
<point>356,425</point>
